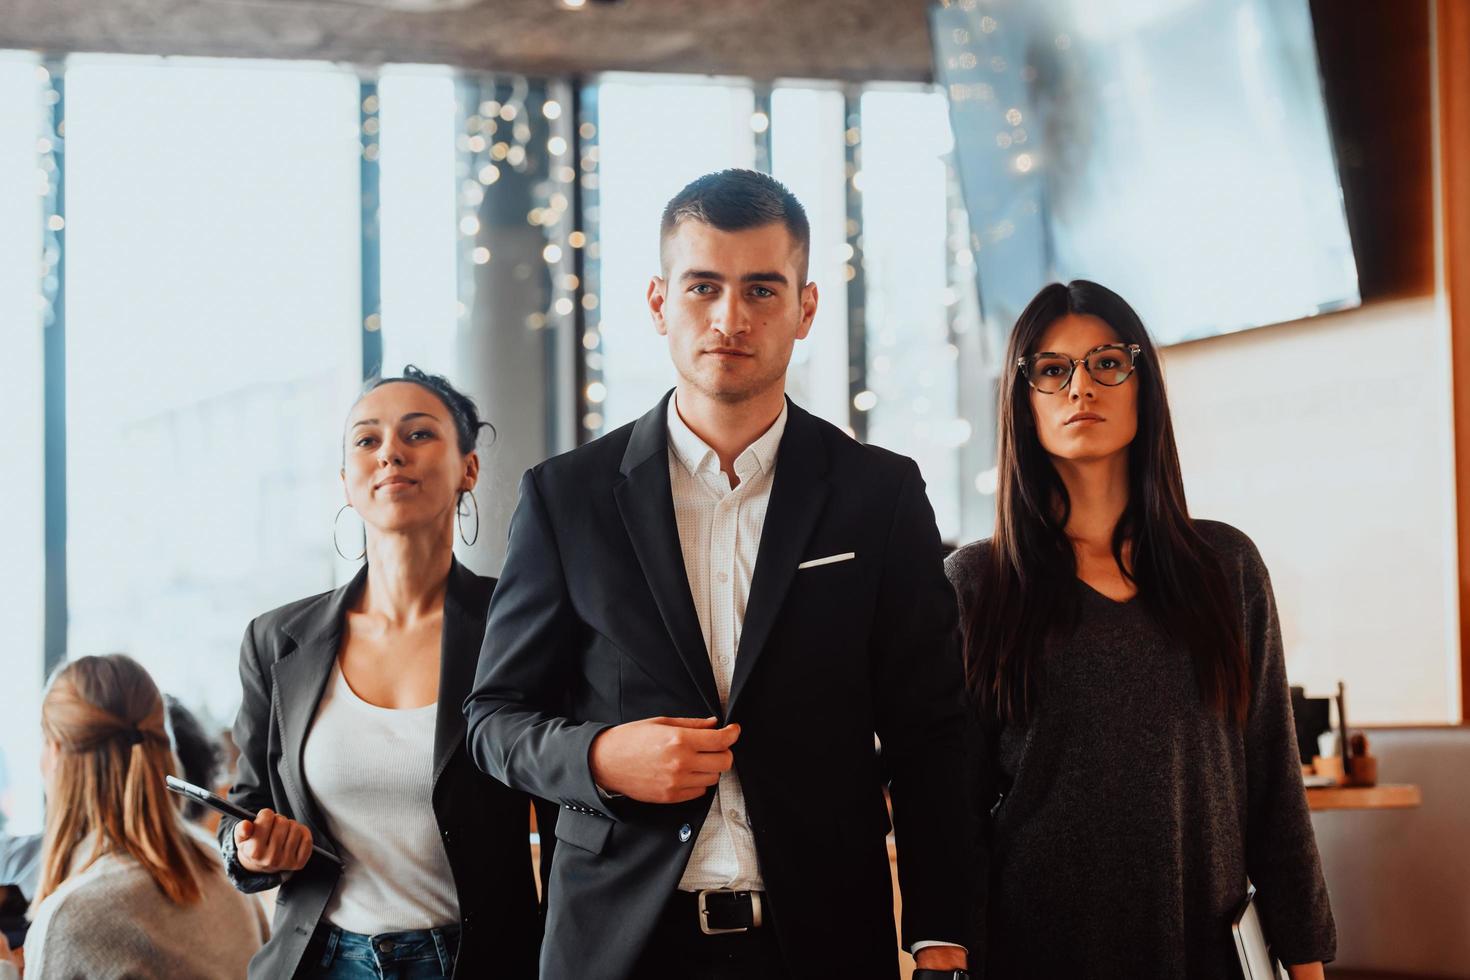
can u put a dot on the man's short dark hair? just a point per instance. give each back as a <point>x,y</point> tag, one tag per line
<point>734,200</point>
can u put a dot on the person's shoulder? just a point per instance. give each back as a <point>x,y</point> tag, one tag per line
<point>845,452</point>
<point>967,563</point>
<point>95,894</point>
<point>64,924</point>
<point>272,621</point>
<point>1228,541</point>
<point>86,905</point>
<point>601,456</point>
<point>1236,552</point>
<point>470,588</point>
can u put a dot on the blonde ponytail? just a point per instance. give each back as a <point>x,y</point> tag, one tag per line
<point>106,717</point>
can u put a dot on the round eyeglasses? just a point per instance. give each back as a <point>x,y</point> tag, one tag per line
<point>1110,365</point>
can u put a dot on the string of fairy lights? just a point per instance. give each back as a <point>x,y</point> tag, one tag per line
<point>50,145</point>
<point>593,388</point>
<point>521,131</point>
<point>862,399</point>
<point>537,141</point>
<point>51,299</point>
<point>369,126</point>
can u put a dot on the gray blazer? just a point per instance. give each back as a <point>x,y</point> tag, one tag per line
<point>285,661</point>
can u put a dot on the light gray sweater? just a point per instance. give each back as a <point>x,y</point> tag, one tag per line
<point>112,921</point>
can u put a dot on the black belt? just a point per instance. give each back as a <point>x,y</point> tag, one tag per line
<point>720,911</point>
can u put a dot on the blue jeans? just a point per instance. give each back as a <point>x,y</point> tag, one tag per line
<point>425,954</point>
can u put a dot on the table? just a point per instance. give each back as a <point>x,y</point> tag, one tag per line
<point>1384,796</point>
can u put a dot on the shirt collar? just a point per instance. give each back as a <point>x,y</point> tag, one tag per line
<point>695,454</point>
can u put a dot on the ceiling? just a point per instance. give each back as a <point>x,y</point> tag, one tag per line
<point>765,39</point>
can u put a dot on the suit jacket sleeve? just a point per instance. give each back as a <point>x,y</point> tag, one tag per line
<point>251,788</point>
<point>920,720</point>
<point>514,714</point>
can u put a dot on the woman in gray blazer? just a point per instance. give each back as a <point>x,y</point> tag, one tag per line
<point>352,739</point>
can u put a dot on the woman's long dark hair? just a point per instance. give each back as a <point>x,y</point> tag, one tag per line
<point>1029,591</point>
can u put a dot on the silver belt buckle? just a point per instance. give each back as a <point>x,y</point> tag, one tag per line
<point>704,926</point>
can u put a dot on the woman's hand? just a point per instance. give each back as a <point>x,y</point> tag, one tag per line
<point>272,843</point>
<point>1305,971</point>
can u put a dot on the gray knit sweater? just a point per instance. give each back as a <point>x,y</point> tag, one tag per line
<point>112,922</point>
<point>1132,816</point>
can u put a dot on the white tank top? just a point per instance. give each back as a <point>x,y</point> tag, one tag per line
<point>371,771</point>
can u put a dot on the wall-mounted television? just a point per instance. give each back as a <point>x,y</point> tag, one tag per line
<point>1177,151</point>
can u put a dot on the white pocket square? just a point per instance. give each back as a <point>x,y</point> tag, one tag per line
<point>829,560</point>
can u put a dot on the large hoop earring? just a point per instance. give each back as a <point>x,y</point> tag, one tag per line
<point>460,514</point>
<point>338,547</point>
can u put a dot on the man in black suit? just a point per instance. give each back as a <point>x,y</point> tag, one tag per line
<point>703,620</point>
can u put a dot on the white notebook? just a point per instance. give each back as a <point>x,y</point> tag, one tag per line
<point>1256,959</point>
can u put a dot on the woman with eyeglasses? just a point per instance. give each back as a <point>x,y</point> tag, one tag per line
<point>1136,756</point>
<point>352,734</point>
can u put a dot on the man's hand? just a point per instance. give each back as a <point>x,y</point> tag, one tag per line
<point>272,843</point>
<point>662,760</point>
<point>15,957</point>
<point>940,958</point>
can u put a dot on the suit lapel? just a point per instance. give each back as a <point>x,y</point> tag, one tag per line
<point>646,502</point>
<point>300,678</point>
<point>797,498</point>
<point>464,630</point>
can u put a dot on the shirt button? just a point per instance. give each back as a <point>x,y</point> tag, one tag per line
<point>734,816</point>
<point>685,832</point>
<point>724,660</point>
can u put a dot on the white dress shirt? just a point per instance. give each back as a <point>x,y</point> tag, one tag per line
<point>720,534</point>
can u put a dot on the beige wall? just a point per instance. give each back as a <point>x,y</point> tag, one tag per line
<point>1328,441</point>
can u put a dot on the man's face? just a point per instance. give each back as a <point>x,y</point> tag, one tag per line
<point>733,305</point>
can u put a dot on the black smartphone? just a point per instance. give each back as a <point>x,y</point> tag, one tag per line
<point>201,795</point>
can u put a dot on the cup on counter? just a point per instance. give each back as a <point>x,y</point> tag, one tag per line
<point>1329,766</point>
<point>1363,770</point>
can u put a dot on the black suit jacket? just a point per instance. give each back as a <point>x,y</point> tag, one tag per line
<point>285,661</point>
<point>593,625</point>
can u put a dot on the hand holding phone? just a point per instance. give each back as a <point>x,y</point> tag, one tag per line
<point>271,838</point>
<point>270,843</point>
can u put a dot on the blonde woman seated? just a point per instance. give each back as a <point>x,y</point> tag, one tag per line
<point>125,889</point>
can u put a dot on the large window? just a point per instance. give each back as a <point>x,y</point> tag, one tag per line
<point>21,500</point>
<point>418,235</point>
<point>214,254</point>
<point>212,349</point>
<point>912,398</point>
<point>652,140</point>
<point>807,141</point>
